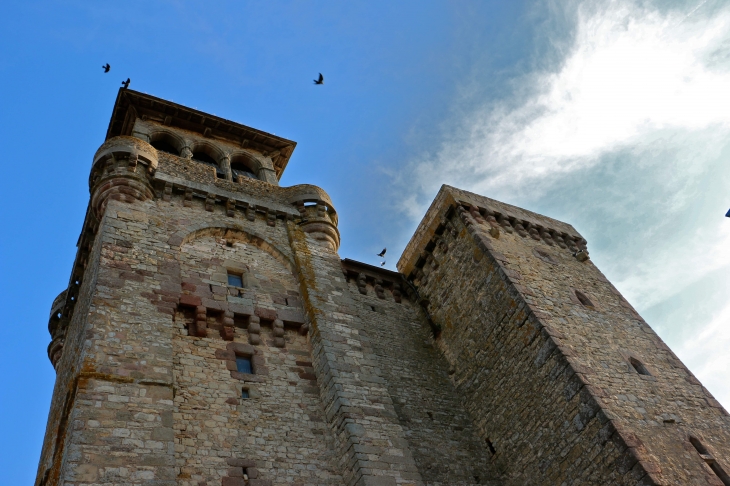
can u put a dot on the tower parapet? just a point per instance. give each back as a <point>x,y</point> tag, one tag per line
<point>122,170</point>
<point>211,334</point>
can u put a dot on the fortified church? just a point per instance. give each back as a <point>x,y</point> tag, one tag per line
<point>211,335</point>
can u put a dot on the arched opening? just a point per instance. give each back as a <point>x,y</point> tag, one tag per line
<point>164,146</point>
<point>165,143</point>
<point>243,167</point>
<point>205,158</point>
<point>240,170</point>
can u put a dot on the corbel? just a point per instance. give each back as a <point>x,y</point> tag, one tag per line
<point>188,200</point>
<point>362,284</point>
<point>132,162</point>
<point>476,214</point>
<point>379,290</point>
<point>278,331</point>
<point>493,224</point>
<point>227,327</point>
<point>503,221</point>
<point>254,330</point>
<point>519,228</point>
<point>397,295</point>
<point>230,206</point>
<point>209,202</point>
<point>570,242</point>
<point>464,216</point>
<point>167,192</point>
<point>545,235</point>
<point>201,321</point>
<point>558,239</point>
<point>532,231</point>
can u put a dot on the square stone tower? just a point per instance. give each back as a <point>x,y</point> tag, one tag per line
<point>211,335</point>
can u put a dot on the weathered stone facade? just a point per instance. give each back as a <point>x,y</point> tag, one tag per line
<point>211,335</point>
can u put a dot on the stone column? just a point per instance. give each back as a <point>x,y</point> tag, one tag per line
<point>225,164</point>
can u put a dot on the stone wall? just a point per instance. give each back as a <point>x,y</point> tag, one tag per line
<point>131,368</point>
<point>505,358</point>
<point>278,433</point>
<point>438,430</point>
<point>542,347</point>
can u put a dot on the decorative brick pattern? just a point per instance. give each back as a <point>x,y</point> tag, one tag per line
<point>499,355</point>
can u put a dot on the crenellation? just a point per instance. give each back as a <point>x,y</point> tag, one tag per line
<point>211,334</point>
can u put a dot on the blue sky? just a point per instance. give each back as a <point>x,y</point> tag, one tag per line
<point>611,115</point>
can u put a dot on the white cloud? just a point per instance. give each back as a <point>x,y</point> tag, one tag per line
<point>631,72</point>
<point>643,95</point>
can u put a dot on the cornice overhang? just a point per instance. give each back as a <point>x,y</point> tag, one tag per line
<point>131,105</point>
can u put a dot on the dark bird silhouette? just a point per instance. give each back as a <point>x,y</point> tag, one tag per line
<point>320,80</point>
<point>126,83</point>
<point>382,253</point>
<point>382,264</point>
<point>106,67</point>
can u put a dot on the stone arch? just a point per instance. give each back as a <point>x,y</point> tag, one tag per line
<point>232,232</point>
<point>208,148</point>
<point>247,161</point>
<point>168,137</point>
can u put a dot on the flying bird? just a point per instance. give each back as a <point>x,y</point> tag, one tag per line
<point>126,83</point>
<point>320,80</point>
<point>382,264</point>
<point>382,253</point>
<point>106,67</point>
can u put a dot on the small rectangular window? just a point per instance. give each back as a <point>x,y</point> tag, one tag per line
<point>243,365</point>
<point>235,280</point>
<point>244,393</point>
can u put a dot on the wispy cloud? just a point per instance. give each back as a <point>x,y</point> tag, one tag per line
<point>625,137</point>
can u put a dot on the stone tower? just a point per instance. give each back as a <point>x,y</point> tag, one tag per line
<point>212,335</point>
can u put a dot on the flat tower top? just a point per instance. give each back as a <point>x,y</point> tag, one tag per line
<point>131,105</point>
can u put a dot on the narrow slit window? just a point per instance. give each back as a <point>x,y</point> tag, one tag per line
<point>639,367</point>
<point>235,280</point>
<point>244,393</point>
<point>583,298</point>
<point>710,461</point>
<point>243,365</point>
<point>491,448</point>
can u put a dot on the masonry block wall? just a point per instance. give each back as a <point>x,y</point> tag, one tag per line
<point>211,334</point>
<point>563,379</point>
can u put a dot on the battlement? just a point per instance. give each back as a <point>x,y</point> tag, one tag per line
<point>211,334</point>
